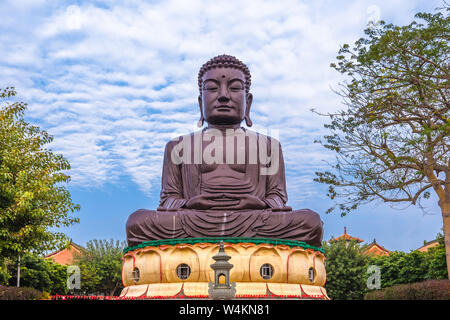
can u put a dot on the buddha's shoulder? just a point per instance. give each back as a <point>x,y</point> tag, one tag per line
<point>260,135</point>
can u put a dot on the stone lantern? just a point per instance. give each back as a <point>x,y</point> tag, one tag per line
<point>221,267</point>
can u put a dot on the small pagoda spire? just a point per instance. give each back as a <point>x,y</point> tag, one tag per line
<point>347,237</point>
<point>222,268</point>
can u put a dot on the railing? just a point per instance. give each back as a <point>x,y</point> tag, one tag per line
<point>239,296</point>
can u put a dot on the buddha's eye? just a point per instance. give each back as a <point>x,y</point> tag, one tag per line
<point>211,88</point>
<point>235,86</point>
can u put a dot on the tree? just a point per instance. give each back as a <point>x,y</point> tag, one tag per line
<point>392,140</point>
<point>4,275</point>
<point>105,257</point>
<point>436,261</point>
<point>401,267</point>
<point>90,281</point>
<point>32,196</point>
<point>346,270</point>
<point>42,274</point>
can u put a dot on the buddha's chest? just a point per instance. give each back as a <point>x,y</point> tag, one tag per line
<point>222,169</point>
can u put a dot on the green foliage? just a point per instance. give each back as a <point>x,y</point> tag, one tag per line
<point>90,280</point>
<point>101,266</point>
<point>400,267</point>
<point>426,290</point>
<point>41,274</point>
<point>46,296</point>
<point>4,275</point>
<point>32,196</point>
<point>346,268</point>
<point>392,140</point>
<point>437,268</point>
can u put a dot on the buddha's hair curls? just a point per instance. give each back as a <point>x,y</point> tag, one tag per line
<point>225,61</point>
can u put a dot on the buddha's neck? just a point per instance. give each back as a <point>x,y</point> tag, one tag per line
<point>223,127</point>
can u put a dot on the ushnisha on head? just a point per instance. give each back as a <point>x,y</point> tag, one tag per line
<point>224,85</point>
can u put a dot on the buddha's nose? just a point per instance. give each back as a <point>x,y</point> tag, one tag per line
<point>223,94</point>
<point>223,98</point>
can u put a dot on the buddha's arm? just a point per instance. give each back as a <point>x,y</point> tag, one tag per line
<point>276,195</point>
<point>171,183</point>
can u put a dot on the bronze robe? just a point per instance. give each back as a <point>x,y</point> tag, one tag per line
<point>182,180</point>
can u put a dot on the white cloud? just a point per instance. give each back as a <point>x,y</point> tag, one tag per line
<point>114,83</point>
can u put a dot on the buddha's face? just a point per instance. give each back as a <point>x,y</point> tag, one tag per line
<point>224,100</point>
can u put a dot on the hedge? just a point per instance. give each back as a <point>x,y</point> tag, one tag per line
<point>426,290</point>
<point>24,293</point>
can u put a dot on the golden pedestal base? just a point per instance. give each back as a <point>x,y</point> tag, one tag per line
<point>151,271</point>
<point>244,290</point>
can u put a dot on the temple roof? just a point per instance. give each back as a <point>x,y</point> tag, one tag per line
<point>375,248</point>
<point>65,256</point>
<point>428,245</point>
<point>371,248</point>
<point>347,237</point>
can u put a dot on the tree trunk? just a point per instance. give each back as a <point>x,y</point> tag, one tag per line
<point>445,207</point>
<point>114,290</point>
<point>18,272</point>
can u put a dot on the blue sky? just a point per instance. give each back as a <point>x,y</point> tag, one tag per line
<point>113,81</point>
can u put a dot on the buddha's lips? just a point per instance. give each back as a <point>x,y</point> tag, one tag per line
<point>224,107</point>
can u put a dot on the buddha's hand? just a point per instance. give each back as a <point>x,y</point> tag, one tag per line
<point>204,202</point>
<point>247,201</point>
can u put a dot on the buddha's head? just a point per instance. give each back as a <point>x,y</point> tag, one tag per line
<point>224,84</point>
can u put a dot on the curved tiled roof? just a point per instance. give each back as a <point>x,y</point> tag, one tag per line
<point>347,237</point>
<point>375,248</point>
<point>66,255</point>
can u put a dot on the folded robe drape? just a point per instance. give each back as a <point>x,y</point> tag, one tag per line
<point>301,225</point>
<point>182,180</point>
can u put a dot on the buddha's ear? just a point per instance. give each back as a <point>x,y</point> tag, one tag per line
<point>202,119</point>
<point>248,121</point>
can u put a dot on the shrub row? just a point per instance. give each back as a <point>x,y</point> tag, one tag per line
<point>426,290</point>
<point>24,293</point>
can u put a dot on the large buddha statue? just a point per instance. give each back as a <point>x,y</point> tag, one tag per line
<point>224,180</point>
